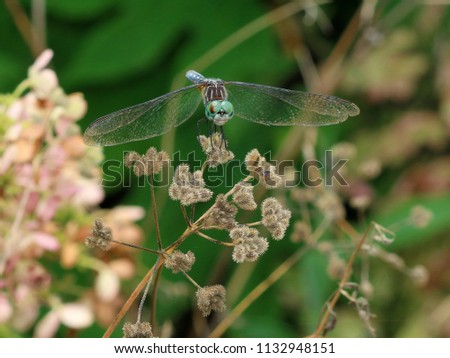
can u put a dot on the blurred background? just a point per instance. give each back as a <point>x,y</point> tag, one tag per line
<point>390,57</point>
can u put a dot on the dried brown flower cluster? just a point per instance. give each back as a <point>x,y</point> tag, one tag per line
<point>211,298</point>
<point>222,215</point>
<point>188,188</point>
<point>180,262</point>
<point>137,330</point>
<point>248,245</point>
<point>243,196</point>
<point>101,236</point>
<point>152,162</point>
<point>213,147</point>
<point>275,218</point>
<point>259,168</point>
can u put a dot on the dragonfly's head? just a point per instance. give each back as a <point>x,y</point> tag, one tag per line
<point>219,111</point>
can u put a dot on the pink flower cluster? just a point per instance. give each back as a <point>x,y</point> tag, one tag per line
<point>50,184</point>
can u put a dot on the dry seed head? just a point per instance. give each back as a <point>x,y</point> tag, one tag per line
<point>248,244</point>
<point>303,195</point>
<point>216,154</point>
<point>330,205</point>
<point>222,215</point>
<point>243,196</point>
<point>188,188</point>
<point>178,261</point>
<point>301,231</point>
<point>419,274</point>
<point>101,236</point>
<point>258,167</point>
<point>336,266</point>
<point>254,161</point>
<point>275,218</point>
<point>370,168</point>
<point>270,178</point>
<point>150,163</point>
<point>211,298</point>
<point>420,216</point>
<point>137,330</point>
<point>344,150</point>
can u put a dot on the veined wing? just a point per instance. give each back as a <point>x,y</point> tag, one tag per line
<point>145,120</point>
<point>281,107</point>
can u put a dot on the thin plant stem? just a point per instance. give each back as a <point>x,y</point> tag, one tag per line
<point>348,269</point>
<point>153,298</point>
<point>155,213</point>
<point>25,27</point>
<point>256,223</point>
<point>191,279</point>
<point>144,295</point>
<point>136,247</point>
<point>199,233</point>
<point>186,218</point>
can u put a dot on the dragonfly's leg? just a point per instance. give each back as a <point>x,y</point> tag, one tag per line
<point>211,132</point>
<point>223,140</point>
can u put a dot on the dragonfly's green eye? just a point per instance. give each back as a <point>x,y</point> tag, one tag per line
<point>227,107</point>
<point>219,111</point>
<point>213,108</point>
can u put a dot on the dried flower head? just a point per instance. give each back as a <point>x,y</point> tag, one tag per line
<point>137,330</point>
<point>101,236</point>
<point>303,195</point>
<point>213,147</point>
<point>188,188</point>
<point>248,244</point>
<point>150,163</point>
<point>258,167</point>
<point>344,150</point>
<point>420,216</point>
<point>243,196</point>
<point>301,231</point>
<point>330,205</point>
<point>361,195</point>
<point>336,266</point>
<point>370,168</point>
<point>419,274</point>
<point>178,261</point>
<point>381,234</point>
<point>222,215</point>
<point>275,218</point>
<point>211,298</point>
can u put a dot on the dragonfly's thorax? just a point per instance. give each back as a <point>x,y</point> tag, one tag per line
<point>214,90</point>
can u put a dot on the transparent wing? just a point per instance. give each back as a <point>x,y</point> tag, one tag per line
<point>281,107</point>
<point>145,120</point>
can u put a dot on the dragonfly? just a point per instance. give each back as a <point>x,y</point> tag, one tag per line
<point>223,100</point>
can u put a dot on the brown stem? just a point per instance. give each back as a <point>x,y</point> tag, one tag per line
<point>155,213</point>
<point>199,233</point>
<point>186,218</point>
<point>25,27</point>
<point>332,303</point>
<point>136,247</point>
